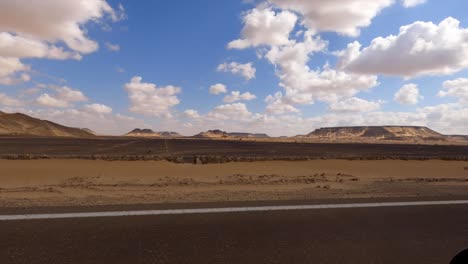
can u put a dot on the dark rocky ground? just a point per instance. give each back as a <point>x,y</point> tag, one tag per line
<point>208,151</point>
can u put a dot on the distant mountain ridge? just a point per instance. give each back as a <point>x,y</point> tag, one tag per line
<point>459,137</point>
<point>376,133</point>
<point>248,135</point>
<point>137,132</point>
<point>18,124</point>
<point>216,133</point>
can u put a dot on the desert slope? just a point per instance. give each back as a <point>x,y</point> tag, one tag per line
<point>24,125</point>
<point>89,131</point>
<point>376,133</point>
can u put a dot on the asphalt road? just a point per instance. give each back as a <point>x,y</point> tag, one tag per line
<point>408,234</point>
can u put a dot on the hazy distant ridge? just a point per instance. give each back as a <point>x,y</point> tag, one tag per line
<point>18,124</point>
<point>223,134</point>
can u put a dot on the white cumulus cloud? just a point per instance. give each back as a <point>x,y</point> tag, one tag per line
<point>52,20</point>
<point>10,69</point>
<point>276,105</point>
<point>98,108</point>
<point>23,47</point>
<point>6,100</point>
<point>112,47</point>
<point>408,94</point>
<point>345,16</point>
<point>218,88</point>
<point>52,29</point>
<point>303,85</point>
<point>263,26</point>
<point>63,97</point>
<point>354,105</point>
<point>412,3</point>
<point>191,113</point>
<point>457,88</point>
<point>421,48</point>
<point>234,112</point>
<point>245,70</point>
<point>148,99</point>
<point>237,96</point>
<point>69,94</point>
<point>50,101</point>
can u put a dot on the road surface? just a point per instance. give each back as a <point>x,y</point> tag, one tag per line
<point>430,233</point>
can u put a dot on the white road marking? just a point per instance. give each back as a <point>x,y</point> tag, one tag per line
<point>225,210</point>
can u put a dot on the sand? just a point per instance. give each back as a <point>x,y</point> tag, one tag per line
<point>87,182</point>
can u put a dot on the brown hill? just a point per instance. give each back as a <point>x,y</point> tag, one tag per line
<point>376,133</point>
<point>24,125</point>
<point>137,132</point>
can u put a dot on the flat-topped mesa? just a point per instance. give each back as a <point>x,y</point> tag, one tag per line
<point>141,131</point>
<point>248,135</point>
<point>137,132</point>
<point>18,124</point>
<point>376,133</point>
<point>217,133</point>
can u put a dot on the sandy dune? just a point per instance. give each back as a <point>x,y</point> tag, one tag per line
<point>79,182</point>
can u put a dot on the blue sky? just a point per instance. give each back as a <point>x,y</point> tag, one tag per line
<point>275,71</point>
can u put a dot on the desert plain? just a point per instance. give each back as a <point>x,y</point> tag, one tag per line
<point>112,171</point>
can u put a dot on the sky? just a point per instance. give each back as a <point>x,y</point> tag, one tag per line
<point>281,67</point>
